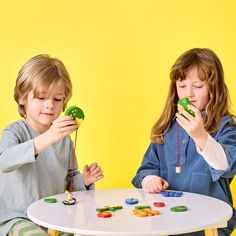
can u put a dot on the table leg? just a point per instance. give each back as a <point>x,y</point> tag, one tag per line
<point>211,232</point>
<point>52,232</point>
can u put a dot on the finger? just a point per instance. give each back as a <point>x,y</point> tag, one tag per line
<point>186,114</point>
<point>165,184</point>
<point>96,170</point>
<point>150,188</point>
<point>67,129</point>
<point>93,166</point>
<point>97,174</point>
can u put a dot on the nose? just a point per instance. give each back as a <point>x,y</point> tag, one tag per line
<point>190,91</point>
<point>49,104</point>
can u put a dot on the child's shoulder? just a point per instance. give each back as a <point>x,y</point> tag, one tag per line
<point>228,120</point>
<point>227,123</point>
<point>18,127</point>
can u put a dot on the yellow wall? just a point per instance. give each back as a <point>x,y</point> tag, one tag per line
<point>118,53</point>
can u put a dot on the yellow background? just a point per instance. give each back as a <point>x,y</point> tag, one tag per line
<point>119,55</point>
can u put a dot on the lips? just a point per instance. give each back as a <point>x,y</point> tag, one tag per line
<point>47,114</point>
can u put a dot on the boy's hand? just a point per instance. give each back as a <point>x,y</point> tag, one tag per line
<point>60,128</point>
<point>193,125</point>
<point>92,173</point>
<point>156,185</point>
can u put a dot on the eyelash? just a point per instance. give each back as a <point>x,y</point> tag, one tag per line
<point>183,86</point>
<point>55,99</point>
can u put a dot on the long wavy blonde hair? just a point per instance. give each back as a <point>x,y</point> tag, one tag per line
<point>209,69</point>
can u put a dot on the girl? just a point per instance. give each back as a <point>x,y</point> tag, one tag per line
<point>193,153</point>
<point>36,152</point>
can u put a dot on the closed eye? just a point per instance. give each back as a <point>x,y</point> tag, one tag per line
<point>58,99</point>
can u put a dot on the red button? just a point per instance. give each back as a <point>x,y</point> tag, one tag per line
<point>104,214</point>
<point>159,204</point>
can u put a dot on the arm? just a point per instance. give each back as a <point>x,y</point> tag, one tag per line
<point>150,166</point>
<point>214,154</point>
<point>16,148</point>
<point>225,162</point>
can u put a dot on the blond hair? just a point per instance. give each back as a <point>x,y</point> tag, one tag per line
<point>209,70</point>
<point>41,71</point>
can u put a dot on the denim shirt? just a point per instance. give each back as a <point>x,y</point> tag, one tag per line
<point>196,175</point>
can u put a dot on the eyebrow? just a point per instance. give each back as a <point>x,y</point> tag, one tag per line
<point>43,92</point>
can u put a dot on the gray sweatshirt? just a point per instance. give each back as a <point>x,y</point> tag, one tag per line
<point>25,179</point>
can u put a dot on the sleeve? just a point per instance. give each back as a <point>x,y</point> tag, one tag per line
<point>149,166</point>
<point>214,154</point>
<point>13,152</point>
<point>74,174</point>
<point>227,139</point>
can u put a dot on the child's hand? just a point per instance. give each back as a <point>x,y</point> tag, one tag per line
<point>62,127</point>
<point>193,125</point>
<point>156,185</point>
<point>92,173</point>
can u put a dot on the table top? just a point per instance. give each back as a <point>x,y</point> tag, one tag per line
<point>203,213</point>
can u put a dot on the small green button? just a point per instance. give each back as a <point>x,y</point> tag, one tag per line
<point>178,208</point>
<point>50,200</point>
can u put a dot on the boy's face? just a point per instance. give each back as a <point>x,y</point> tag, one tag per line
<point>45,107</point>
<point>193,88</point>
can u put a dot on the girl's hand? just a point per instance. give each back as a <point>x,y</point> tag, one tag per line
<point>193,125</point>
<point>156,185</point>
<point>92,173</point>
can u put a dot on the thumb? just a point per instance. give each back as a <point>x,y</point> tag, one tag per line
<point>86,169</point>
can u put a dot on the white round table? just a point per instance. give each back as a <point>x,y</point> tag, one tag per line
<point>204,213</point>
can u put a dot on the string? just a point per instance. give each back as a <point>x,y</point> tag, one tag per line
<point>73,163</point>
<point>178,147</point>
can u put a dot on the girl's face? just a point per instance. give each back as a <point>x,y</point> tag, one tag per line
<point>193,88</point>
<point>44,108</point>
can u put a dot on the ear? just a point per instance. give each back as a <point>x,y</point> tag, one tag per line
<point>22,100</point>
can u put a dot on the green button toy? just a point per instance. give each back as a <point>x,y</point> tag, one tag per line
<point>178,209</point>
<point>50,200</point>
<point>75,112</point>
<point>183,103</point>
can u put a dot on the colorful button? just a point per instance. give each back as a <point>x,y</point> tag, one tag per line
<point>50,200</point>
<point>146,212</point>
<point>109,208</point>
<point>75,112</point>
<point>141,207</point>
<point>159,204</point>
<point>104,214</point>
<point>131,201</point>
<point>171,194</point>
<point>178,209</point>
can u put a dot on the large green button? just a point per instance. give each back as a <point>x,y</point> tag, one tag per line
<point>75,112</point>
<point>184,102</point>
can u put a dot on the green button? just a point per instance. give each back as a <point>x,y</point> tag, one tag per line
<point>184,102</point>
<point>50,200</point>
<point>75,112</point>
<point>178,208</point>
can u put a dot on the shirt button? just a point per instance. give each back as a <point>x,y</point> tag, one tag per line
<point>184,141</point>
